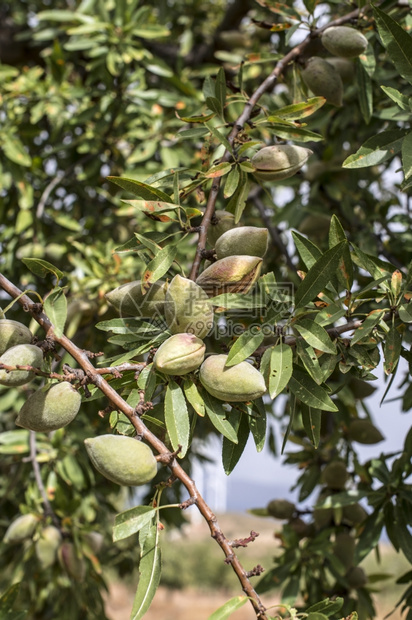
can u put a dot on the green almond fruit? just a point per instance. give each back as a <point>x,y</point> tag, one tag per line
<point>239,383</point>
<point>13,333</point>
<point>335,475</point>
<point>20,355</point>
<point>21,528</point>
<point>344,41</point>
<point>233,274</point>
<point>48,410</point>
<point>344,67</point>
<point>344,549</point>
<point>354,514</point>
<point>94,540</point>
<point>179,354</point>
<point>71,562</point>
<point>323,80</point>
<point>222,221</point>
<point>279,161</point>
<point>47,546</point>
<point>187,308</point>
<point>356,577</point>
<point>129,300</point>
<point>245,240</point>
<point>281,508</point>
<point>364,432</point>
<point>123,460</point>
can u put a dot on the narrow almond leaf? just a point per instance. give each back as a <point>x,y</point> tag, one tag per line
<point>257,425</point>
<point>345,498</point>
<point>367,326</point>
<point>405,313</point>
<point>14,149</point>
<point>177,418</point>
<point>152,206</point>
<point>392,350</point>
<point>311,420</point>
<point>42,268</point>
<point>214,105</point>
<point>142,190</point>
<point>327,606</point>
<point>231,452</point>
<point>244,346</point>
<point>310,361</point>
<point>403,533</point>
<point>159,265</point>
<point>319,275</point>
<point>131,521</point>
<point>193,397</point>
<point>55,306</point>
<point>397,42</point>
<point>219,136</point>
<point>280,369</point>
<point>297,111</point>
<point>292,410</point>
<point>376,150</point>
<point>336,235</point>
<point>401,100</point>
<point>306,390</point>
<point>220,87</point>
<point>219,170</point>
<point>365,93</point>
<point>149,569</point>
<point>219,416</point>
<point>232,182</point>
<point>407,155</point>
<point>308,251</point>
<point>376,266</point>
<point>228,608</point>
<point>315,335</point>
<point>295,133</point>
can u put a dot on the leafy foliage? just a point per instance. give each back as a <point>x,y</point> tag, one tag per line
<point>124,126</point>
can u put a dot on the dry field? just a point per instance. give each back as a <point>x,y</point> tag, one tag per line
<point>197,604</point>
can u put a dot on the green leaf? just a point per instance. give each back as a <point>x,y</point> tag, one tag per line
<point>327,607</point>
<point>297,111</point>
<point>257,425</point>
<point>370,535</point>
<point>193,397</point>
<point>232,182</point>
<point>231,452</point>
<point>401,100</point>
<point>219,416</point>
<point>244,346</point>
<point>228,608</point>
<point>214,105</point>
<point>159,265</point>
<point>238,201</point>
<point>55,306</point>
<point>14,149</point>
<point>149,569</point>
<point>295,133</point>
<point>234,300</point>
<point>365,93</point>
<point>57,15</point>
<point>177,418</point>
<point>219,136</point>
<point>405,313</point>
<point>397,42</point>
<point>336,235</point>
<point>219,170</point>
<point>311,420</point>
<point>315,335</point>
<point>306,390</point>
<point>402,530</point>
<point>376,267</point>
<point>137,188</point>
<point>309,252</point>
<point>339,500</point>
<point>376,150</point>
<point>310,361</point>
<point>131,521</point>
<point>152,206</point>
<point>319,275</point>
<point>42,268</point>
<point>280,368</point>
<point>220,87</point>
<point>392,350</point>
<point>407,155</point>
<point>367,326</point>
<point>8,598</point>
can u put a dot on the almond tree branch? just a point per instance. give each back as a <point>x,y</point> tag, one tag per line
<point>119,403</point>
<point>244,117</point>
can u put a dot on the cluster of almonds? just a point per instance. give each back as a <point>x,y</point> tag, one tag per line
<point>325,76</point>
<point>189,313</point>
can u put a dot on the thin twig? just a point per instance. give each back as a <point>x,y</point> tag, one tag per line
<point>48,510</point>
